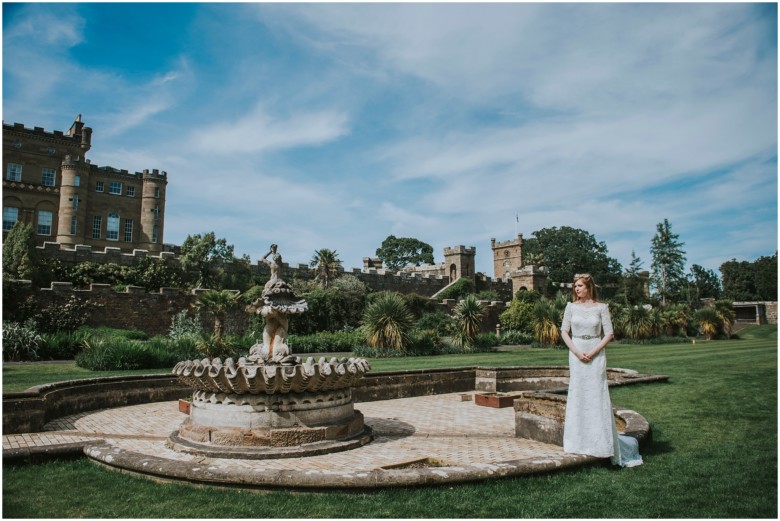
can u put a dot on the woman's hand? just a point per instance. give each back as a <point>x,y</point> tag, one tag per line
<point>584,357</point>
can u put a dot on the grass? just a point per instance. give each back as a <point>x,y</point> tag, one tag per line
<point>713,455</point>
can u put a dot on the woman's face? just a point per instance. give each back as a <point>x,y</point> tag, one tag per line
<point>581,290</point>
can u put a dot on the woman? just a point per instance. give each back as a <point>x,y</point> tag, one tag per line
<point>590,427</point>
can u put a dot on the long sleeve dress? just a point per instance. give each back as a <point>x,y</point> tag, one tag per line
<point>590,427</point>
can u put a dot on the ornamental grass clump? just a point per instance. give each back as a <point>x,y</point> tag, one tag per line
<point>387,323</point>
<point>468,315</point>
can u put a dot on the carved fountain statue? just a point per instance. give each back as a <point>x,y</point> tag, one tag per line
<point>271,404</point>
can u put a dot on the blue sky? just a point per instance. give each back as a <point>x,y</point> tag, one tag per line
<point>335,125</point>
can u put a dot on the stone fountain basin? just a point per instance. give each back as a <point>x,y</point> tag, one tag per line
<point>246,377</point>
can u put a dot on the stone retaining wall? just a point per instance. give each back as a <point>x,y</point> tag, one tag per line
<point>29,411</point>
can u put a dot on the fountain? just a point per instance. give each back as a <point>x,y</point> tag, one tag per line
<point>271,404</point>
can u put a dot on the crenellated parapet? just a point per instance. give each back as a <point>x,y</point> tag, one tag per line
<point>86,253</point>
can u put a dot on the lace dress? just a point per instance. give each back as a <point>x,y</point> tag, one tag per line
<point>590,427</point>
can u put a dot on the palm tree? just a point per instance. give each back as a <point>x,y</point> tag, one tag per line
<point>725,311</point>
<point>387,322</point>
<point>709,322</point>
<point>468,315</point>
<point>326,264</point>
<point>546,322</point>
<point>675,319</point>
<point>217,304</point>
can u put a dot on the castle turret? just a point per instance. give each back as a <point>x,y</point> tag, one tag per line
<point>153,210</point>
<point>459,262</point>
<point>72,214</point>
<point>507,257</point>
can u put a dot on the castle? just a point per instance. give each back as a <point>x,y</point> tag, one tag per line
<point>50,184</point>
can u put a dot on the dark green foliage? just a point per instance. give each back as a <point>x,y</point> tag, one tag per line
<point>569,250</point>
<point>204,259</point>
<point>512,337</point>
<point>419,305</point>
<point>217,304</point>
<point>150,273</point>
<point>333,309</point>
<point>103,353</point>
<point>747,281</point>
<point>668,262</point>
<point>632,284</point>
<point>327,266</point>
<point>468,315</point>
<point>56,318</point>
<point>20,341</point>
<point>399,252</point>
<point>702,283</point>
<point>439,322</point>
<point>387,323</point>
<point>21,259</point>
<point>326,342</point>
<point>519,316</point>
<point>458,290</point>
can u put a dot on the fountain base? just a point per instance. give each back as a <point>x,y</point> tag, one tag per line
<point>270,426</point>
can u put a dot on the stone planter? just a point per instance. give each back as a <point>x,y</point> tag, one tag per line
<point>497,400</point>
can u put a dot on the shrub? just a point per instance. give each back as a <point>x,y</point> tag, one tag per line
<point>20,341</point>
<point>326,342</point>
<point>61,346</point>
<point>222,346</point>
<point>468,315</point>
<point>56,318</point>
<point>512,337</point>
<point>457,290</point>
<point>519,316</point>
<point>387,323</point>
<point>110,353</point>
<point>439,321</point>
<point>184,325</point>
<point>709,322</point>
<point>548,316</point>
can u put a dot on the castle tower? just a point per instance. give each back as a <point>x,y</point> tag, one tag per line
<point>459,262</point>
<point>153,210</point>
<point>507,257</point>
<point>74,193</point>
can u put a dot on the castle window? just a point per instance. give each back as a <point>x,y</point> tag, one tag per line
<point>128,230</point>
<point>115,187</point>
<point>48,176</point>
<point>154,233</point>
<point>97,223</point>
<point>10,216</point>
<point>44,222</point>
<point>156,213</point>
<point>14,172</point>
<point>112,227</point>
<point>73,225</point>
<point>157,192</point>
<point>77,181</point>
<point>51,150</point>
<point>99,186</point>
<point>75,201</point>
<point>130,191</point>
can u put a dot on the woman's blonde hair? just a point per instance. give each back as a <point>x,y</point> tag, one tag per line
<point>590,284</point>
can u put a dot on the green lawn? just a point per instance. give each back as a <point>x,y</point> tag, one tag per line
<point>713,455</point>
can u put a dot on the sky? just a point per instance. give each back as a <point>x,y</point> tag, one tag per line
<point>335,125</point>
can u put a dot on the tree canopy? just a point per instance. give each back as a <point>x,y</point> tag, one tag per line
<point>668,261</point>
<point>327,265</point>
<point>20,256</point>
<point>745,281</point>
<point>206,256</point>
<point>567,251</point>
<point>397,252</point>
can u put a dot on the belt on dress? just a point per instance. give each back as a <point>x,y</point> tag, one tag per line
<point>587,337</point>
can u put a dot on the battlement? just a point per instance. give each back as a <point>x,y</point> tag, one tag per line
<point>462,250</point>
<point>504,244</point>
<point>39,132</point>
<point>155,175</point>
<point>85,253</point>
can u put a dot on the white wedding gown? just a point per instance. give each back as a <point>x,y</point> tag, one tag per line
<point>590,427</point>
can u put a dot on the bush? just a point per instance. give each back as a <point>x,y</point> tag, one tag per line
<point>56,318</point>
<point>387,323</point>
<point>20,341</point>
<point>512,337</point>
<point>519,316</point>
<point>111,353</point>
<point>184,325</point>
<point>326,342</point>
<point>458,290</point>
<point>61,346</point>
<point>468,316</point>
<point>439,321</point>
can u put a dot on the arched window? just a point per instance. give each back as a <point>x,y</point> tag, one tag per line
<point>112,227</point>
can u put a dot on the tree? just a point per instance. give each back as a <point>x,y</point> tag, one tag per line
<point>567,251</point>
<point>468,315</point>
<point>744,281</point>
<point>20,256</point>
<point>702,283</point>
<point>326,264</point>
<point>206,256</point>
<point>399,252</point>
<point>668,261</point>
<point>217,304</point>
<point>765,276</point>
<point>632,287</point>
